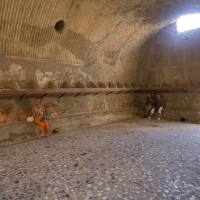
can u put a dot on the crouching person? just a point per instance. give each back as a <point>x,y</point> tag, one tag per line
<point>158,106</point>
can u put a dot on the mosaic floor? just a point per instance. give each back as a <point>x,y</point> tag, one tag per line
<point>137,159</point>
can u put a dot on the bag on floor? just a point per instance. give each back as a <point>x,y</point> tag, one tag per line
<point>29,119</point>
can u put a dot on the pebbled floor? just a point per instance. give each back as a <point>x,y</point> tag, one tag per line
<point>135,159</point>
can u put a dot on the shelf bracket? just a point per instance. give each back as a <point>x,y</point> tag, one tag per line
<point>61,95</point>
<point>97,93</point>
<point>22,96</point>
<point>43,95</point>
<point>86,94</point>
<point>77,94</point>
<point>109,93</point>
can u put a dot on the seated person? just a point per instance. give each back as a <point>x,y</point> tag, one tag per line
<point>149,104</point>
<point>39,114</point>
<point>158,106</point>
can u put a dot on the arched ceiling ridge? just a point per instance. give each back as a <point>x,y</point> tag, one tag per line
<point>91,28</point>
<point>138,42</point>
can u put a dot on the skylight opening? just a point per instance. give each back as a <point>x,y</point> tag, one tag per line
<point>188,22</point>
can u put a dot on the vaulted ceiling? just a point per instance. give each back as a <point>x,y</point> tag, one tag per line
<point>91,28</point>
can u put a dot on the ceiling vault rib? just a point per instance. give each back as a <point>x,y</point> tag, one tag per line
<point>152,20</point>
<point>104,4</point>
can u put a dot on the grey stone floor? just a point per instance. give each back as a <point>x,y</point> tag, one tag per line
<point>135,159</point>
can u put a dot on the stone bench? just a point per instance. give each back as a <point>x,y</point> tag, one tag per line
<point>182,115</point>
<point>186,115</point>
<point>23,130</point>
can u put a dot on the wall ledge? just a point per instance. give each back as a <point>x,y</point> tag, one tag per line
<point>41,93</point>
<point>24,131</point>
<point>191,115</point>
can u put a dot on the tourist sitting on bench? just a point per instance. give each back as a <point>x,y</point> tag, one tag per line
<point>158,106</point>
<point>39,115</point>
<point>149,104</point>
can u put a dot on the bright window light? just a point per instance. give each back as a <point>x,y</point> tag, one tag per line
<point>188,22</point>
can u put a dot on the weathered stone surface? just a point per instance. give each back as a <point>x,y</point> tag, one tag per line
<point>110,58</point>
<point>132,159</point>
<point>65,85</point>
<point>108,39</point>
<point>66,113</point>
<point>7,113</point>
<point>50,104</point>
<point>115,41</point>
<point>175,106</point>
<point>89,107</point>
<point>54,110</point>
<point>120,85</point>
<point>24,114</point>
<point>170,61</point>
<point>26,130</point>
<point>127,85</point>
<point>92,85</point>
<point>111,85</point>
<point>102,85</point>
<point>80,85</point>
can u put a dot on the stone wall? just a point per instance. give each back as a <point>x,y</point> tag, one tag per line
<point>66,113</point>
<point>99,43</point>
<point>17,73</point>
<point>169,61</point>
<point>176,106</point>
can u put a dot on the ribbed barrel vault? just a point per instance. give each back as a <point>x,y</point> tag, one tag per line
<point>91,28</point>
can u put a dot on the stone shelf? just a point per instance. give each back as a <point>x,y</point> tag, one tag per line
<point>74,92</point>
<point>177,89</point>
<point>59,93</point>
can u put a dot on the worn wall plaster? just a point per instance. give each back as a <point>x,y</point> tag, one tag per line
<point>170,61</point>
<point>7,113</point>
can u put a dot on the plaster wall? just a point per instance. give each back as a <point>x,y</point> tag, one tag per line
<point>16,73</point>
<point>176,106</point>
<point>66,113</point>
<point>170,61</point>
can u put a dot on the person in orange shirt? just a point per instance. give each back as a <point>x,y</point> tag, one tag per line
<point>39,114</point>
